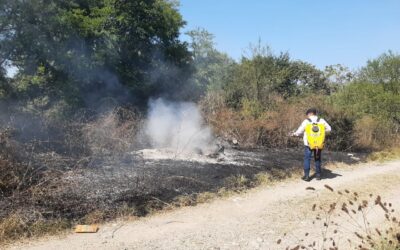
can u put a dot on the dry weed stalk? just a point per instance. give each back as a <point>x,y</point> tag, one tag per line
<point>345,224</point>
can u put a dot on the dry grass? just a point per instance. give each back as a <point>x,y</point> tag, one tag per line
<point>375,134</point>
<point>269,128</point>
<point>233,185</point>
<point>113,133</point>
<point>348,215</point>
<point>95,217</point>
<point>263,179</point>
<point>385,155</point>
<point>205,197</point>
<point>16,226</point>
<point>237,182</point>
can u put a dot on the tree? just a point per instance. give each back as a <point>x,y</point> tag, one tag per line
<point>308,78</point>
<point>261,75</point>
<point>212,67</point>
<point>86,49</point>
<point>338,74</point>
<point>384,70</point>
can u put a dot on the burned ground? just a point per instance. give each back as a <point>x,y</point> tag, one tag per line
<point>74,190</point>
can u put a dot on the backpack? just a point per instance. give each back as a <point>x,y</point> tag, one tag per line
<point>315,134</point>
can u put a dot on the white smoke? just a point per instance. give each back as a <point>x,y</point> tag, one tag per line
<point>177,126</point>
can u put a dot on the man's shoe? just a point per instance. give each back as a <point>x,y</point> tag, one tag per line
<point>306,178</point>
<point>318,177</point>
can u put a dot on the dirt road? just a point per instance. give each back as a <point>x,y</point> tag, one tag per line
<point>254,220</point>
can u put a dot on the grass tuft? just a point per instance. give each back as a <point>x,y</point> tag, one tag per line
<point>385,155</point>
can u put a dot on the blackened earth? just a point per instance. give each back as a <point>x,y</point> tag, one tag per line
<point>143,184</point>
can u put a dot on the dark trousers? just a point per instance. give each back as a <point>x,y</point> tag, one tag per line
<point>308,153</point>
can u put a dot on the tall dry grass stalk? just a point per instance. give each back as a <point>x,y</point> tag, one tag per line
<point>347,223</point>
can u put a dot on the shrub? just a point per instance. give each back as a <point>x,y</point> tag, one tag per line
<point>114,133</point>
<point>253,125</point>
<point>374,133</point>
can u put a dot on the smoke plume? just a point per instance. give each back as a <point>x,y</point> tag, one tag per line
<point>178,126</point>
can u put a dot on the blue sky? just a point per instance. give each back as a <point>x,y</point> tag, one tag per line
<point>321,32</point>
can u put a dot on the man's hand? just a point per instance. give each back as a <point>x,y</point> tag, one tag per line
<point>292,134</point>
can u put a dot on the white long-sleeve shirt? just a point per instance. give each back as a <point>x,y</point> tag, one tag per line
<point>302,128</point>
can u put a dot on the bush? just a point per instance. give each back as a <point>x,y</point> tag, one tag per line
<point>360,99</point>
<point>356,123</point>
<point>342,136</point>
<point>114,133</point>
<point>374,112</point>
<point>374,133</point>
<point>253,125</point>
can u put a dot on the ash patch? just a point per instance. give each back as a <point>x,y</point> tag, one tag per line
<point>221,156</point>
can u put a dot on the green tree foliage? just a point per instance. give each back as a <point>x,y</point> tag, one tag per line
<point>308,79</point>
<point>81,48</point>
<point>212,67</point>
<point>262,75</point>
<point>257,76</point>
<point>338,74</point>
<point>365,98</point>
<point>384,70</point>
<point>370,101</point>
<point>374,112</point>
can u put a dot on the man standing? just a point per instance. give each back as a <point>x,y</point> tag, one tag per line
<point>314,123</point>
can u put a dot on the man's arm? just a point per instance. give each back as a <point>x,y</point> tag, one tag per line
<point>301,129</point>
<point>327,126</point>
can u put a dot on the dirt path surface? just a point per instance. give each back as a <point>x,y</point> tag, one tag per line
<point>254,220</point>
